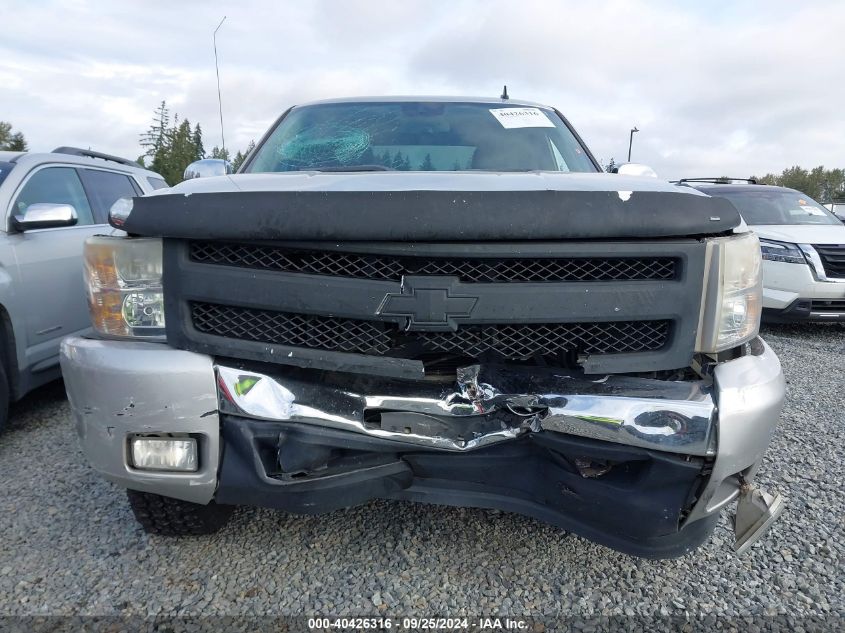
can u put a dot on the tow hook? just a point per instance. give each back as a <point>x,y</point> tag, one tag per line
<point>756,510</point>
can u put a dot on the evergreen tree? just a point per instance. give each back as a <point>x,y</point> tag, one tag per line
<point>171,148</point>
<point>183,151</point>
<point>427,165</point>
<point>200,150</point>
<point>240,157</point>
<point>153,140</point>
<point>386,160</point>
<point>9,141</point>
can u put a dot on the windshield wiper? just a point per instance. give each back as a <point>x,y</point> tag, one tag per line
<point>350,168</point>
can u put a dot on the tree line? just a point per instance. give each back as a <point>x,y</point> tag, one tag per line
<point>824,185</point>
<point>171,145</point>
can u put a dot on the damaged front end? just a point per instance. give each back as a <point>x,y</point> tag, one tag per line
<point>641,465</point>
<point>619,460</point>
<point>486,405</point>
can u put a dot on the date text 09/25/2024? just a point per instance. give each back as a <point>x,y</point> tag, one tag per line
<point>418,623</point>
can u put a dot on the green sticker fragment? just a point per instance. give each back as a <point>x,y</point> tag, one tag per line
<point>244,384</point>
<point>601,420</point>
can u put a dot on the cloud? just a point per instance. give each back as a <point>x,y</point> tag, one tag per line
<point>739,89</point>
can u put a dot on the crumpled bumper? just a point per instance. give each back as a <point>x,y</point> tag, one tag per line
<point>720,427</point>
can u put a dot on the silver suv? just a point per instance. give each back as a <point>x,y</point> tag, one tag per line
<point>51,203</point>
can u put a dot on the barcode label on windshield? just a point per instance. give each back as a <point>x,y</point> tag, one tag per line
<point>521,117</point>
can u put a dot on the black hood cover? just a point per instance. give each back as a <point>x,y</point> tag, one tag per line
<point>429,215</point>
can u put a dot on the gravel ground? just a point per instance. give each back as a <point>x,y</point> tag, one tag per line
<point>69,544</point>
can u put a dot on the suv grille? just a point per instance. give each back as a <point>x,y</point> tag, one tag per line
<point>828,305</point>
<point>511,341</point>
<point>833,260</point>
<point>469,270</point>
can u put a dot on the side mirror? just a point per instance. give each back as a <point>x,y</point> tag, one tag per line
<point>207,167</point>
<point>635,169</point>
<point>44,215</point>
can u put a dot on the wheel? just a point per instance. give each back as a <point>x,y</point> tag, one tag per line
<point>4,397</point>
<point>173,517</point>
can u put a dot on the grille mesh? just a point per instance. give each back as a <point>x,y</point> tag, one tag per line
<point>833,260</point>
<point>470,270</point>
<point>511,341</point>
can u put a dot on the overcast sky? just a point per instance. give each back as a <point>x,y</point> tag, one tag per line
<point>744,89</point>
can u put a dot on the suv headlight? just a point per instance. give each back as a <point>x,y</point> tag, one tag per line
<point>123,276</point>
<point>781,252</point>
<point>733,298</point>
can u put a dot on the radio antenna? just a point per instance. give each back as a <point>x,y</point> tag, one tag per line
<point>219,98</point>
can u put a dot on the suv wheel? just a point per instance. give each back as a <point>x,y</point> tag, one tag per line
<point>173,517</point>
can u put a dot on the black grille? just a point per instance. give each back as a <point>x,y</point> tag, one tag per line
<point>470,270</point>
<point>833,259</point>
<point>511,341</point>
<point>830,305</point>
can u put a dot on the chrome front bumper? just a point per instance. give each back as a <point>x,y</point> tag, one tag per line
<point>669,416</point>
<point>118,389</point>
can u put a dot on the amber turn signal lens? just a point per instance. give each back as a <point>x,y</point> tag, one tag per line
<point>123,279</point>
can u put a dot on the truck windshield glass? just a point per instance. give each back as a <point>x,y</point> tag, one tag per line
<point>421,136</point>
<point>778,207</point>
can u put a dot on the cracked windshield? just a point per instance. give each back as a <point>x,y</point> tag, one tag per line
<point>421,136</point>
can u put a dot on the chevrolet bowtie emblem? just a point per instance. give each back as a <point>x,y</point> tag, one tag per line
<point>428,303</point>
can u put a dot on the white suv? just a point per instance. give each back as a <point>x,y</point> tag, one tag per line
<point>803,248</point>
<point>51,202</point>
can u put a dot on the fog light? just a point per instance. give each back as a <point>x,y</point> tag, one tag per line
<point>161,453</point>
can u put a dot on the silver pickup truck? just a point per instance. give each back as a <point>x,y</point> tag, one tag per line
<point>431,299</point>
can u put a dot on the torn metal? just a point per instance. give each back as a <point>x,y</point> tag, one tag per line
<point>486,405</point>
<point>756,511</point>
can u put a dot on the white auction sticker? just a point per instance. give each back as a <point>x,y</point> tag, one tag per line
<point>521,117</point>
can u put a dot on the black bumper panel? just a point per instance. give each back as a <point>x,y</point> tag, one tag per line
<point>635,506</point>
<point>815,310</point>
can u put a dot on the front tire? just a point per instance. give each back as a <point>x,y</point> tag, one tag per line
<point>166,516</point>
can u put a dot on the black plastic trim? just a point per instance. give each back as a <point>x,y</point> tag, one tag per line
<point>801,310</point>
<point>407,216</point>
<point>636,508</point>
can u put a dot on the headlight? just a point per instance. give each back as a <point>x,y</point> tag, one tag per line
<point>733,299</point>
<point>123,276</point>
<point>782,252</point>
